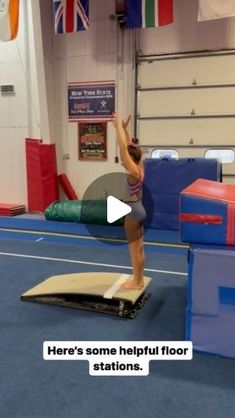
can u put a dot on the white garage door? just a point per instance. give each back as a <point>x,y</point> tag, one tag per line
<point>187,103</point>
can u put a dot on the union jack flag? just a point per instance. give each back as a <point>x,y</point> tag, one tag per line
<point>71,15</point>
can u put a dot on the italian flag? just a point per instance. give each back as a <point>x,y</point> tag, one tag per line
<point>149,13</point>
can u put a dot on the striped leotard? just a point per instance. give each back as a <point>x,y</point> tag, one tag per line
<point>133,197</point>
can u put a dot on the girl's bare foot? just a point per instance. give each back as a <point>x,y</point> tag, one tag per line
<point>132,284</point>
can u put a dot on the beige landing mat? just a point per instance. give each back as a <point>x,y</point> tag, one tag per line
<point>106,285</point>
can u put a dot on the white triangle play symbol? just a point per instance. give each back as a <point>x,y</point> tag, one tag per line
<point>116,209</point>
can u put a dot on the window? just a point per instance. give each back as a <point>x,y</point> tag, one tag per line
<point>225,156</point>
<point>165,153</point>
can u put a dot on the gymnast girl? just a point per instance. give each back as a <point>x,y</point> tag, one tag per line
<point>130,154</point>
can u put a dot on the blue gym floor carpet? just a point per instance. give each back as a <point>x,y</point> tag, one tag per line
<point>32,387</point>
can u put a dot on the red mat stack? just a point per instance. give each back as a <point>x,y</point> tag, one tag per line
<point>11,209</point>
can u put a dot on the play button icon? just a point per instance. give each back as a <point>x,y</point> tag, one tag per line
<point>102,212</point>
<point>116,209</point>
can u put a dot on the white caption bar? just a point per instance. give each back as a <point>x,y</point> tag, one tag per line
<point>118,358</point>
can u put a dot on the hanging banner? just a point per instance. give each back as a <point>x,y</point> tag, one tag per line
<point>91,101</point>
<point>92,141</point>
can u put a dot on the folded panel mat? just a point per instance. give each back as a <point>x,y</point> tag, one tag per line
<point>11,209</point>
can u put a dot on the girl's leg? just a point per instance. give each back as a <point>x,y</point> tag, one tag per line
<point>134,234</point>
<point>141,254</point>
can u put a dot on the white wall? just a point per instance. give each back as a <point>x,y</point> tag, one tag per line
<point>23,114</point>
<point>40,64</point>
<point>13,119</point>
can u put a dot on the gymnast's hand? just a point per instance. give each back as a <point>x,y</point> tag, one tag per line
<point>125,123</point>
<point>116,121</point>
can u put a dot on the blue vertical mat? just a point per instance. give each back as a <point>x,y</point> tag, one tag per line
<point>165,178</point>
<point>210,313</point>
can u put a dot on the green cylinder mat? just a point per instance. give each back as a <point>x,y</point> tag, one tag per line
<point>86,212</point>
<point>95,212</point>
<point>66,210</point>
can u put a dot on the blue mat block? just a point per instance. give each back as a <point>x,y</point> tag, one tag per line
<point>210,313</point>
<point>208,213</point>
<point>166,178</point>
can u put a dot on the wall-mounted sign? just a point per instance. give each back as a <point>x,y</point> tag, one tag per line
<point>91,101</point>
<point>92,141</point>
<point>7,89</point>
